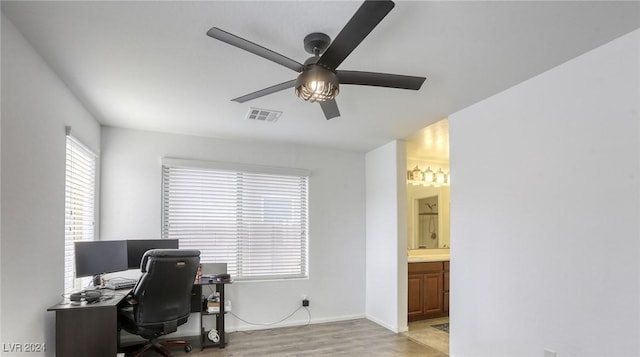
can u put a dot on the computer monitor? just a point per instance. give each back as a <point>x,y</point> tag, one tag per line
<point>94,258</point>
<point>137,247</point>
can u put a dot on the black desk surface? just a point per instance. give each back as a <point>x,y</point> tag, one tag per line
<point>207,281</point>
<point>118,295</point>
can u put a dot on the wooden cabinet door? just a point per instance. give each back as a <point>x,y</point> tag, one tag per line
<point>415,293</point>
<point>433,293</point>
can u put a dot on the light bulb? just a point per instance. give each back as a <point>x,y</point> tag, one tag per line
<point>440,179</point>
<point>316,84</point>
<point>428,176</point>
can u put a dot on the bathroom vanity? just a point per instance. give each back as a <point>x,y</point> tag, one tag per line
<point>428,243</point>
<point>428,290</point>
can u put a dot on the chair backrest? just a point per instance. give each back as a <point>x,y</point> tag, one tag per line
<point>163,293</point>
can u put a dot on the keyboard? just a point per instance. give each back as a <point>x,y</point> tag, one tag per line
<point>123,284</point>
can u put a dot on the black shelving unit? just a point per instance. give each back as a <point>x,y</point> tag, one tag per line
<point>219,316</point>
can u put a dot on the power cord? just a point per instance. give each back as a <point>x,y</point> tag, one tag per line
<point>277,322</point>
<point>270,323</point>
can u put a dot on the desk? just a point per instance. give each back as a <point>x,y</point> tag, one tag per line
<point>92,329</point>
<point>88,329</point>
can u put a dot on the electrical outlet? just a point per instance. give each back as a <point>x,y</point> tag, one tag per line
<point>305,302</point>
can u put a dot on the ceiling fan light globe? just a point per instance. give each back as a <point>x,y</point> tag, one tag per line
<point>316,84</point>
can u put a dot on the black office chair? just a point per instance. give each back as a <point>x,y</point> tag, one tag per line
<point>161,300</point>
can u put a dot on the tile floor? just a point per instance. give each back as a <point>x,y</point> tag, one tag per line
<point>422,332</point>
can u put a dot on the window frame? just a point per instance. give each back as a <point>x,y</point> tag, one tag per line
<point>75,152</point>
<point>241,172</point>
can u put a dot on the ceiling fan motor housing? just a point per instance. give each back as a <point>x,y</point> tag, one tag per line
<point>316,43</point>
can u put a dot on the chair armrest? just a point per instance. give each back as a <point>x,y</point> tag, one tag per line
<point>130,300</point>
<point>127,302</point>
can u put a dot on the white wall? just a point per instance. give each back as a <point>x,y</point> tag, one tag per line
<point>544,212</point>
<point>386,273</point>
<point>1,340</point>
<point>36,107</point>
<point>131,208</point>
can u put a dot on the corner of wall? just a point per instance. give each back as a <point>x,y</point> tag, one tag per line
<point>384,234</point>
<point>401,162</point>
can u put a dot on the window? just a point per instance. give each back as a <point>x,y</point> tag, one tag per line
<point>79,212</point>
<point>252,218</point>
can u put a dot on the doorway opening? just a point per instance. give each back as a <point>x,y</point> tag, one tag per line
<point>428,238</point>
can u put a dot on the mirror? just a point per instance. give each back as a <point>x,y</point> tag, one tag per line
<point>428,217</point>
<point>427,233</point>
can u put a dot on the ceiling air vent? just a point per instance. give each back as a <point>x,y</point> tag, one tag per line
<point>263,114</point>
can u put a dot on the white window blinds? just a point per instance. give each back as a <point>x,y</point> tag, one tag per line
<point>256,222</point>
<point>80,193</point>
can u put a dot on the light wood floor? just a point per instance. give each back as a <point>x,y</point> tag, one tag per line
<point>346,338</point>
<point>422,332</point>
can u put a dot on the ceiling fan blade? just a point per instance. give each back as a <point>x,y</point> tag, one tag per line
<point>266,91</point>
<point>330,109</point>
<point>368,16</point>
<point>380,79</point>
<point>256,49</point>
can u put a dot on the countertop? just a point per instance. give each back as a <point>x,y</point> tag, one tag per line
<point>428,258</point>
<point>428,255</point>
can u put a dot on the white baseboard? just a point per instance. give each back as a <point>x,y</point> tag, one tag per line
<point>247,327</point>
<point>388,327</point>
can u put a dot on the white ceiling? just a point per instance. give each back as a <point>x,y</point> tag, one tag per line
<point>429,144</point>
<point>149,65</point>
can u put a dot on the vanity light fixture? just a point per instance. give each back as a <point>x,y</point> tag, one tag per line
<point>428,177</point>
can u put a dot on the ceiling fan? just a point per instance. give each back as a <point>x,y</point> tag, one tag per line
<point>319,79</point>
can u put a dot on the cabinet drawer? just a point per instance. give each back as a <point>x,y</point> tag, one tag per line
<point>425,267</point>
